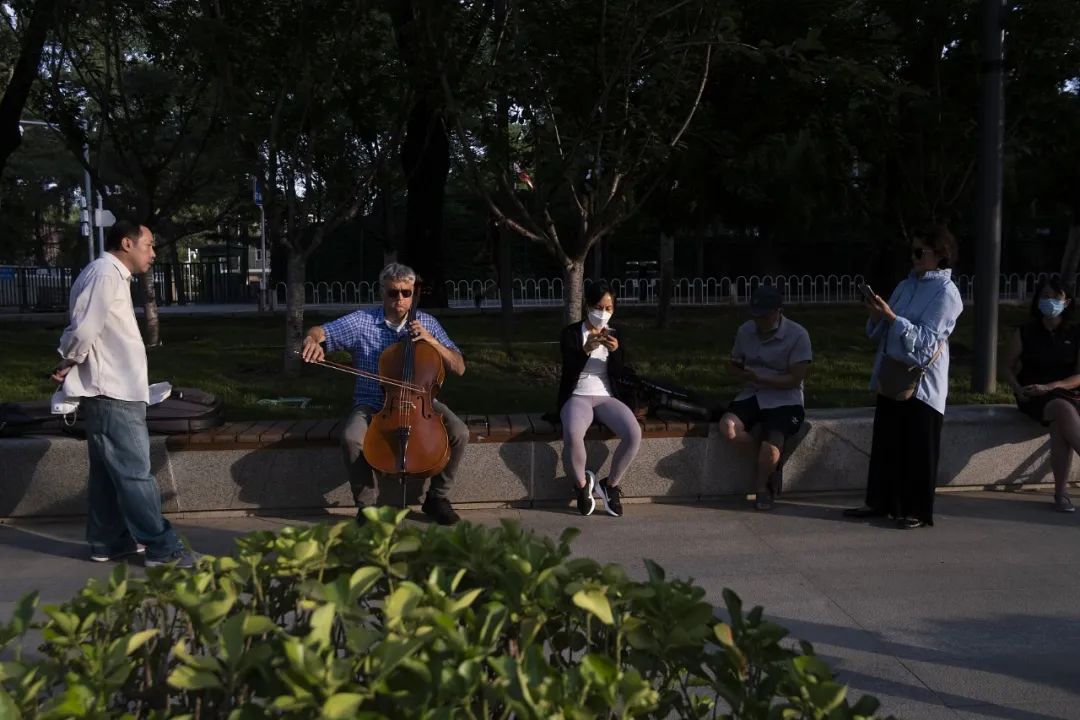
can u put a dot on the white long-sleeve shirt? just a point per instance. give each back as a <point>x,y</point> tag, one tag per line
<point>102,336</point>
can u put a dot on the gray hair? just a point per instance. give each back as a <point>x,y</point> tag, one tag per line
<point>396,272</point>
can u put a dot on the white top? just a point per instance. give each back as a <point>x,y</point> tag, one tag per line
<point>593,380</point>
<point>102,336</point>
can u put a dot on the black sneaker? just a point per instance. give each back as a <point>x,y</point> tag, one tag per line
<point>585,501</point>
<point>440,510</point>
<point>612,495</point>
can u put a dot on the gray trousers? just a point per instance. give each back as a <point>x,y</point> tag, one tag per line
<point>577,415</point>
<point>362,478</point>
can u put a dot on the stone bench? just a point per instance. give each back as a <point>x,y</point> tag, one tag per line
<point>512,460</point>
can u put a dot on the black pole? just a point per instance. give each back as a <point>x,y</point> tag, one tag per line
<point>988,209</point>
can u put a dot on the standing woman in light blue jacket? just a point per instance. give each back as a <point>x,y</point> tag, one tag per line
<point>912,327</point>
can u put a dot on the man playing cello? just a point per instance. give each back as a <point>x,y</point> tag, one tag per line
<point>365,334</point>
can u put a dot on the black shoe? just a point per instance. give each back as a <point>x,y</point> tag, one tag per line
<point>910,523</point>
<point>586,503</point>
<point>612,495</point>
<point>864,512</point>
<point>440,510</point>
<point>361,519</point>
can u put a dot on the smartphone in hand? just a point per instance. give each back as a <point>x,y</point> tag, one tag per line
<point>867,292</point>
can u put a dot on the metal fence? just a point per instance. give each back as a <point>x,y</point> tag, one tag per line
<point>797,289</point>
<point>30,288</point>
<point>33,288</point>
<point>210,282</point>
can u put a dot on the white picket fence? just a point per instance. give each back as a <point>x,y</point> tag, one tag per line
<point>33,287</point>
<point>797,289</point>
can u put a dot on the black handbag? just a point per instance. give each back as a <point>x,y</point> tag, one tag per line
<point>897,380</point>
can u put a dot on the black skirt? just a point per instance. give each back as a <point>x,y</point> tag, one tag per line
<point>1033,407</point>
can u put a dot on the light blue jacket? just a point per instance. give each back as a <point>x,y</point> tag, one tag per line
<point>926,310</point>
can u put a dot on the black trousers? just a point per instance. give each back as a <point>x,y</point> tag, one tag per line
<point>904,459</point>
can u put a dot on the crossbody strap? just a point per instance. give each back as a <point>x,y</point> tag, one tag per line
<point>941,345</point>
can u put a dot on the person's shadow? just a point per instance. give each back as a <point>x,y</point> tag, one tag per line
<point>301,480</point>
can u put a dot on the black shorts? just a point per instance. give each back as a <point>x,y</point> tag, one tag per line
<point>786,419</point>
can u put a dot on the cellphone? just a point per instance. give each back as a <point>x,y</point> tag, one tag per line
<point>867,291</point>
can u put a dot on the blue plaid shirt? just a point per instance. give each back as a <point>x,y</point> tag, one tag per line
<point>365,335</point>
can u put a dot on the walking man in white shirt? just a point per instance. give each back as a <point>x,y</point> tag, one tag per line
<point>104,365</point>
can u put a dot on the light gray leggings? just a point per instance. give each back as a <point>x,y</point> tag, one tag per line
<point>577,415</point>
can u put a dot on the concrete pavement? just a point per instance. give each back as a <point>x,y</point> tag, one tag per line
<point>978,617</point>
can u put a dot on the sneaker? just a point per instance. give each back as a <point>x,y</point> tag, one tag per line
<point>764,500</point>
<point>1063,503</point>
<point>361,520</point>
<point>612,495</point>
<point>440,510</point>
<point>180,558</point>
<point>585,501</point>
<point>135,549</point>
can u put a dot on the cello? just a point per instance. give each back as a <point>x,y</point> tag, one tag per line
<point>407,438</point>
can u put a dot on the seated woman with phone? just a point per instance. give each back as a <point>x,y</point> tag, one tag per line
<point>592,360</point>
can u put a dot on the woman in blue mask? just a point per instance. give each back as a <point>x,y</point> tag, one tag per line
<point>1043,370</point>
<point>592,360</point>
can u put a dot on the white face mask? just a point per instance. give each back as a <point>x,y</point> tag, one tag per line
<point>598,318</point>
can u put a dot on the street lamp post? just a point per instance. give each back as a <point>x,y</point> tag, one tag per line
<point>988,205</point>
<point>88,205</point>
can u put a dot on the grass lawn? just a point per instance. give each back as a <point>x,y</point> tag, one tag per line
<point>239,359</point>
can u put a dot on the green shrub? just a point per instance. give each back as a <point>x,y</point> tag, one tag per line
<point>398,621</point>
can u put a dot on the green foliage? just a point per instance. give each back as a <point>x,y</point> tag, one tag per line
<point>397,621</point>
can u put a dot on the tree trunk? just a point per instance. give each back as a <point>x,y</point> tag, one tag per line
<point>295,271</point>
<point>22,77</point>
<point>667,280</point>
<point>573,290</point>
<point>172,278</point>
<point>150,311</point>
<point>502,237</point>
<point>1071,259</point>
<point>598,260</point>
<point>425,156</point>
<point>503,267</point>
<point>699,259</point>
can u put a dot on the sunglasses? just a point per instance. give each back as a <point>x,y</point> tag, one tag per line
<point>395,294</point>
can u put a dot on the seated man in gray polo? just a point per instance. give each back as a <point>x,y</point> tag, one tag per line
<point>772,357</point>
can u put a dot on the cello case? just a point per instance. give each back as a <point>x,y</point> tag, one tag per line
<point>186,411</point>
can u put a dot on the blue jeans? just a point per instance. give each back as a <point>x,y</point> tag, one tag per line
<point>124,499</point>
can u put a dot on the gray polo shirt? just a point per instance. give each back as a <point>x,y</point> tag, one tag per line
<point>774,356</point>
